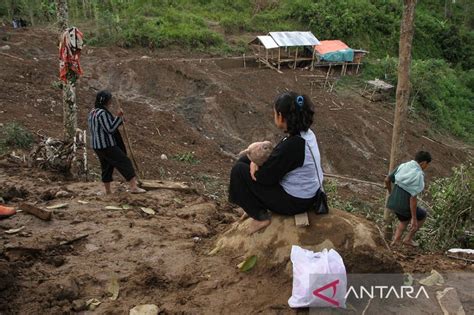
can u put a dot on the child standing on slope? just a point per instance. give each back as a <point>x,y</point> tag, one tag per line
<point>409,181</point>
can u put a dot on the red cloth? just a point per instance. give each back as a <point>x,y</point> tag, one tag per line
<point>70,53</point>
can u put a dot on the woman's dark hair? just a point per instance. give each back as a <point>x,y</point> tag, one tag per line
<point>102,99</point>
<point>297,109</point>
<point>423,156</point>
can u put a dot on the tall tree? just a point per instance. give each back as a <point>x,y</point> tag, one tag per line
<point>403,93</point>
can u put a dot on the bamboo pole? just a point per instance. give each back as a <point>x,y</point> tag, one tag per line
<point>132,155</point>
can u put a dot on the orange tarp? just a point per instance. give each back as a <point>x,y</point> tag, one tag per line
<point>327,46</point>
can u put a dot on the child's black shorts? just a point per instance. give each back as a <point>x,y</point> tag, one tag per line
<point>420,215</point>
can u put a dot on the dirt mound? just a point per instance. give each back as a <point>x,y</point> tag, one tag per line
<point>357,240</point>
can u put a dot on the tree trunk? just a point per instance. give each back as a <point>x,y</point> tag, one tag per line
<point>69,92</point>
<point>62,14</point>
<point>402,95</point>
<point>69,88</point>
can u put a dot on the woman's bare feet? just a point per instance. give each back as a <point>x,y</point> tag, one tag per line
<point>258,225</point>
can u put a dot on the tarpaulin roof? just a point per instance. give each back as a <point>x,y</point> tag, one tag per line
<point>326,46</point>
<point>291,39</point>
<point>267,42</point>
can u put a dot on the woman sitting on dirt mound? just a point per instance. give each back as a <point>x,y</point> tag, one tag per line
<point>108,144</point>
<point>287,182</point>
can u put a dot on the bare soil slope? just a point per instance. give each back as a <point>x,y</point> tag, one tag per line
<point>188,104</point>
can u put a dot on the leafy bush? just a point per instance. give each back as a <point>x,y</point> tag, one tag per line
<point>357,22</point>
<point>234,23</point>
<point>15,135</point>
<point>160,28</point>
<point>187,157</point>
<point>452,210</point>
<point>443,94</point>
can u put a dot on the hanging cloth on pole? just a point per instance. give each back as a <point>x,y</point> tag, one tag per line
<point>69,54</point>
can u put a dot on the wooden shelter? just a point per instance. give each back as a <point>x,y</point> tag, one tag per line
<point>337,53</point>
<point>376,90</point>
<point>277,48</point>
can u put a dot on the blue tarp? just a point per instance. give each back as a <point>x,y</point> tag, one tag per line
<point>339,55</point>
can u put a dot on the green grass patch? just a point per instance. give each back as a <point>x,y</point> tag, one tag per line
<point>187,157</point>
<point>15,136</point>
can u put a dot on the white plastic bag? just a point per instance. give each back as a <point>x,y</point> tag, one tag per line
<point>319,279</point>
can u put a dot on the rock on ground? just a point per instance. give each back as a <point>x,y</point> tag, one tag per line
<point>357,240</point>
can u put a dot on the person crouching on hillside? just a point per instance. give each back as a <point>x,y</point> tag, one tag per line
<point>409,182</point>
<point>108,144</point>
<point>287,182</point>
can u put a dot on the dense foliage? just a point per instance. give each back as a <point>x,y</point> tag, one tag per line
<point>442,49</point>
<point>441,93</point>
<point>451,218</point>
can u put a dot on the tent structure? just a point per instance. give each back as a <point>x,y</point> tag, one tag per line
<point>334,50</point>
<point>276,48</point>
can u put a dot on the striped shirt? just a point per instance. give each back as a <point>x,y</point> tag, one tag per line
<point>102,126</point>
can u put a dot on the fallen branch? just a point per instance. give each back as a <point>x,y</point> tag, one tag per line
<point>461,258</point>
<point>11,56</point>
<point>269,65</point>
<point>354,180</point>
<point>80,237</point>
<point>447,145</point>
<point>37,212</point>
<point>366,307</point>
<point>386,121</point>
<point>159,184</point>
<point>382,237</point>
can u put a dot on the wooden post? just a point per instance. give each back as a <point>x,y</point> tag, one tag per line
<point>245,66</point>
<point>279,58</point>
<point>296,57</point>
<point>312,59</point>
<point>259,63</point>
<point>327,76</point>
<point>402,95</point>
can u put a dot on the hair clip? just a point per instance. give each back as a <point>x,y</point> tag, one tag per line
<point>300,101</point>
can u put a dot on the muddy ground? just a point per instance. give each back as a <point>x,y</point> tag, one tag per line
<point>188,104</point>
